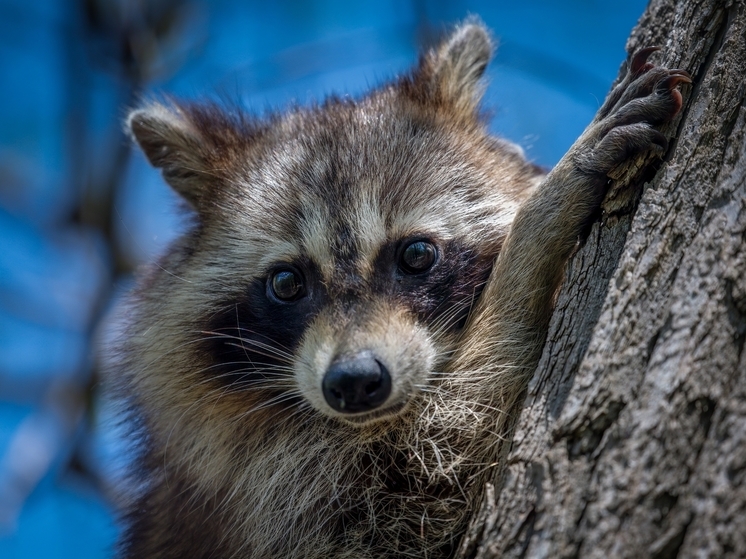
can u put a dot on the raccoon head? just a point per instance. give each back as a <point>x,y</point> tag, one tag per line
<point>339,248</point>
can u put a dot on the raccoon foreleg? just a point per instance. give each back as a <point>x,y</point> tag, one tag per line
<point>507,329</point>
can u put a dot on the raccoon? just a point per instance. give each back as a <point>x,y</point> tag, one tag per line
<point>323,365</point>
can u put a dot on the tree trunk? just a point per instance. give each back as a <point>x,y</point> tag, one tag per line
<point>632,439</point>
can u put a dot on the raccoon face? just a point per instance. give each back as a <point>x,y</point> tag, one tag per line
<point>362,330</point>
<point>387,323</point>
<point>338,249</point>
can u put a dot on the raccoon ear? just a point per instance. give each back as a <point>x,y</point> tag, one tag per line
<point>173,144</point>
<point>454,70</point>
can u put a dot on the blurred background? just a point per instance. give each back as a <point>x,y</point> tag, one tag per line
<point>80,209</point>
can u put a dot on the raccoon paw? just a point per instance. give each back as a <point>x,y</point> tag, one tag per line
<point>646,97</point>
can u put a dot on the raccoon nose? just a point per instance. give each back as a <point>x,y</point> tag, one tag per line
<point>356,383</point>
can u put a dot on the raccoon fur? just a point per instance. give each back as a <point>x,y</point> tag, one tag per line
<point>322,366</point>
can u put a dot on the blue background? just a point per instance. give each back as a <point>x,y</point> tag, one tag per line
<point>79,209</point>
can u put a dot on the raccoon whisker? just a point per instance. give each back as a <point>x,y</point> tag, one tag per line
<point>445,322</point>
<point>451,306</point>
<point>262,353</point>
<point>212,336</point>
<point>255,389</point>
<point>298,416</point>
<point>270,351</point>
<point>280,350</point>
<point>467,303</point>
<point>244,368</point>
<point>271,371</point>
<point>215,336</point>
<point>242,384</point>
<point>301,411</point>
<point>275,351</point>
<point>275,344</point>
<point>171,351</point>
<point>238,326</point>
<point>239,388</point>
<point>444,354</point>
<point>248,366</point>
<point>250,373</point>
<point>279,399</point>
<point>428,388</point>
<point>449,317</point>
<point>218,394</point>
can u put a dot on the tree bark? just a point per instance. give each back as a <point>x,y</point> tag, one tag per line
<point>632,438</point>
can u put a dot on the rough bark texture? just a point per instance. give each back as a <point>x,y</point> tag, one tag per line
<point>632,440</point>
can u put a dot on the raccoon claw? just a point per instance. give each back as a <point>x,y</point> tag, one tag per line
<point>668,86</point>
<point>647,97</point>
<point>639,64</point>
<point>675,77</point>
<point>642,79</point>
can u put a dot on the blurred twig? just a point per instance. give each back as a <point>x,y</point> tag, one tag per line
<point>134,42</point>
<point>126,44</point>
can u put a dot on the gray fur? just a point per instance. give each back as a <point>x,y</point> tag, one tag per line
<point>242,456</point>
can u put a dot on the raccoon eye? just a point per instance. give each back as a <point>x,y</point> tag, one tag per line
<point>287,285</point>
<point>417,257</point>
